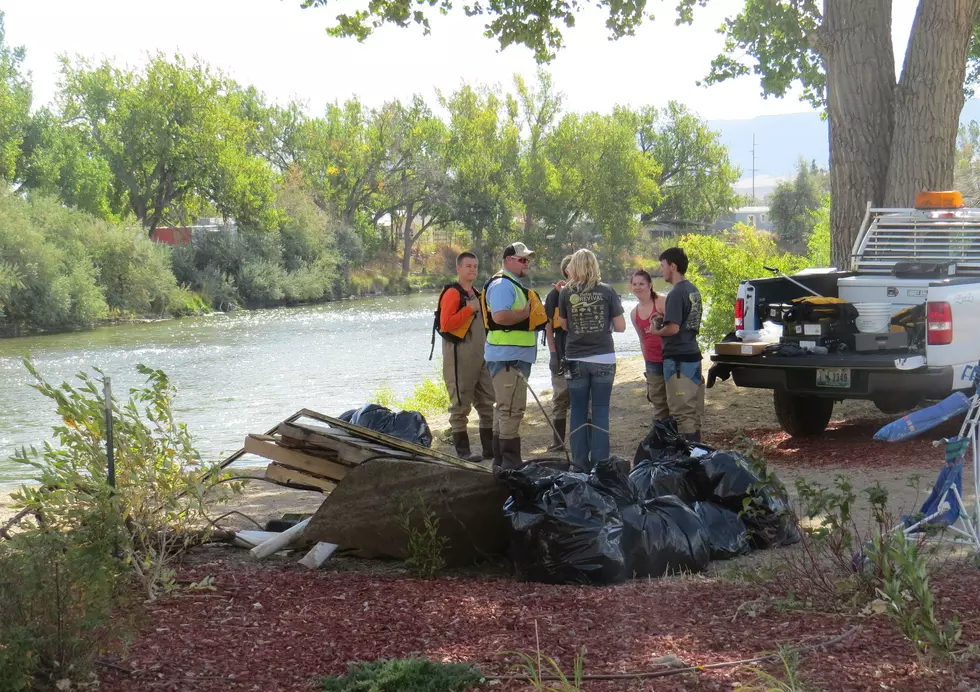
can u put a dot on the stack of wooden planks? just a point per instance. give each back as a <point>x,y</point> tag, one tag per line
<point>312,451</point>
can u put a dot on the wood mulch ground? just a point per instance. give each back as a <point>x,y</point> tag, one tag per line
<point>281,627</point>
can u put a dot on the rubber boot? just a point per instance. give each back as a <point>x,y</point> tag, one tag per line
<point>510,450</point>
<point>497,457</point>
<point>561,426</point>
<point>486,441</point>
<point>461,443</point>
<point>694,437</point>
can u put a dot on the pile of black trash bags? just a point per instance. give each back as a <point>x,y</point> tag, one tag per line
<point>682,506</point>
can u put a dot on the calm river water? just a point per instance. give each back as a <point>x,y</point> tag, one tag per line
<point>242,373</point>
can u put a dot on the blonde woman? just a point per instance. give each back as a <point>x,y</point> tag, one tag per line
<point>590,311</point>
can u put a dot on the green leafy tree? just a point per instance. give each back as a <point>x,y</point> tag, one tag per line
<point>59,161</point>
<point>889,138</point>
<point>172,138</point>
<point>483,152</point>
<point>792,204</point>
<point>540,109</point>
<point>15,105</point>
<point>695,178</point>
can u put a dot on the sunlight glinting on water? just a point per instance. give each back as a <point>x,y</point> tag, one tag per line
<point>243,372</point>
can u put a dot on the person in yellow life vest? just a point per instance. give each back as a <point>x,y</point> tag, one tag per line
<point>512,315</point>
<point>555,337</point>
<point>460,324</point>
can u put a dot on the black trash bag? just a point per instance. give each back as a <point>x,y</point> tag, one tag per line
<point>661,535</point>
<point>771,522</point>
<point>684,477</point>
<point>563,531</point>
<point>662,443</point>
<point>727,533</point>
<point>768,516</point>
<point>664,536</point>
<point>410,426</point>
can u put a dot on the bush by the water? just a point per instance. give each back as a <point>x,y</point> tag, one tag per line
<point>84,547</point>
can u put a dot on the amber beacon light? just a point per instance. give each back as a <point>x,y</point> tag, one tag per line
<point>939,200</point>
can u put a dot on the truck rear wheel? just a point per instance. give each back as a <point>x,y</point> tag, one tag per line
<point>801,415</point>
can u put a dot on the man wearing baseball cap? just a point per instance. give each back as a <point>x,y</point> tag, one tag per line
<point>513,314</point>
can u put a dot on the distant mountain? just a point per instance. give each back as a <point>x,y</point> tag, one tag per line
<point>780,140</point>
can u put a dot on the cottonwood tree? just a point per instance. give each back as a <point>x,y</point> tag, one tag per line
<point>483,149</point>
<point>793,205</point>
<point>15,105</point>
<point>695,178</point>
<point>171,138</point>
<point>889,137</point>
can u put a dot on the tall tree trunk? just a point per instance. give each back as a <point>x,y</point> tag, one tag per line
<point>408,240</point>
<point>929,99</point>
<point>856,45</point>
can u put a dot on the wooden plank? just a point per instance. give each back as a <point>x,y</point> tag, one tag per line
<point>351,455</point>
<point>295,459</point>
<point>241,452</point>
<point>292,478</point>
<point>389,441</point>
<point>329,437</point>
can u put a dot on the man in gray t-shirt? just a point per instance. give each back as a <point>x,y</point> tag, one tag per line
<point>682,355</point>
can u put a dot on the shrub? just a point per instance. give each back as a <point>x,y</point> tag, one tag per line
<point>155,510</point>
<point>58,592</point>
<point>425,543</point>
<point>720,263</point>
<point>818,245</point>
<point>49,282</point>
<point>404,675</point>
<point>261,282</point>
<point>429,397</point>
<point>134,272</point>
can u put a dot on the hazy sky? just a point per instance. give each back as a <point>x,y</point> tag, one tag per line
<point>284,51</point>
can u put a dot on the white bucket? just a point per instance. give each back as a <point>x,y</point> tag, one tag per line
<point>873,318</point>
<point>873,325</point>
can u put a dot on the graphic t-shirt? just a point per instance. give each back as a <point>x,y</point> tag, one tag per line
<point>684,309</point>
<point>589,314</point>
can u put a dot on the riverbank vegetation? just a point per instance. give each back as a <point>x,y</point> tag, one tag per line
<point>283,206</point>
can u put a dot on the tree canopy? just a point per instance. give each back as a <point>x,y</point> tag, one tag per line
<point>888,138</point>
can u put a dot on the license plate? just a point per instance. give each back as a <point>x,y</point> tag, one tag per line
<point>839,378</point>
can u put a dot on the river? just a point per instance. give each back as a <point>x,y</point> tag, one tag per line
<point>242,372</point>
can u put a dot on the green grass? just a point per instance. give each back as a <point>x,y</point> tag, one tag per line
<point>429,397</point>
<point>404,675</point>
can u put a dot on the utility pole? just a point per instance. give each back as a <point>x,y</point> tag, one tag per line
<point>753,168</point>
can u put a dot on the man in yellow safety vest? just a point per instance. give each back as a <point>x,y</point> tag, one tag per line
<point>513,315</point>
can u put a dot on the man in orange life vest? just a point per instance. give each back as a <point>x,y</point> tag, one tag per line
<point>463,368</point>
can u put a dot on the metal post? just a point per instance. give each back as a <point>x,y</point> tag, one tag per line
<point>108,434</point>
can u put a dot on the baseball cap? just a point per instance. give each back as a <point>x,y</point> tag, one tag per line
<point>518,250</point>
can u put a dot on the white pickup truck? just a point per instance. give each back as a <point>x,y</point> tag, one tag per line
<point>927,256</point>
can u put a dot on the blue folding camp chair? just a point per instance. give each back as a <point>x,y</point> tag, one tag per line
<point>944,508</point>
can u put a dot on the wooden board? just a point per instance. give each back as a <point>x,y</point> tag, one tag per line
<point>342,446</point>
<point>295,459</point>
<point>392,442</point>
<point>228,461</point>
<point>292,478</point>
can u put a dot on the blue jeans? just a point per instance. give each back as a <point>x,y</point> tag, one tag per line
<point>589,382</point>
